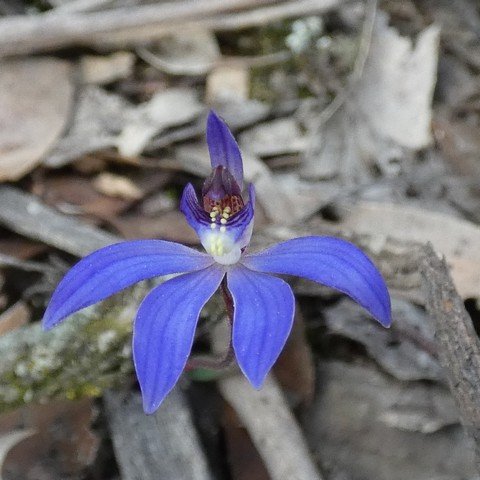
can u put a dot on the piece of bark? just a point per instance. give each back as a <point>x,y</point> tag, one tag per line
<point>272,427</point>
<point>27,215</point>
<point>459,351</point>
<point>152,447</point>
<point>21,35</point>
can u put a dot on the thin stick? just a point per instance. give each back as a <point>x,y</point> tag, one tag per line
<point>459,346</point>
<point>356,75</point>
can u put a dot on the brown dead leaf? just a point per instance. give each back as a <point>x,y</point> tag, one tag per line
<point>21,248</point>
<point>295,369</point>
<point>114,185</point>
<point>168,226</point>
<point>72,192</point>
<point>100,70</point>
<point>460,141</point>
<point>36,96</point>
<point>243,459</point>
<point>14,317</point>
<point>62,432</point>
<point>9,440</point>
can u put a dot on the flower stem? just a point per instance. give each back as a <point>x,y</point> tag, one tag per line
<point>227,298</point>
<point>212,362</point>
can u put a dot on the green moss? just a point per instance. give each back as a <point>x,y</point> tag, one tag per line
<point>89,352</point>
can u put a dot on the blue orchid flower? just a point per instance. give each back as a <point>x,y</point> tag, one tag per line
<point>263,304</point>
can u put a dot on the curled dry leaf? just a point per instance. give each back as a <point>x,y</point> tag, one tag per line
<point>167,108</point>
<point>385,116</point>
<point>36,97</point>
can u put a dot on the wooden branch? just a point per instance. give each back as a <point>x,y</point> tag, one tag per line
<point>152,447</point>
<point>459,346</point>
<point>268,419</point>
<point>24,35</point>
<point>26,214</point>
<point>272,426</point>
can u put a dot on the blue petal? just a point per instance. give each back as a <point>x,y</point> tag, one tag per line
<point>263,316</point>
<point>238,228</point>
<point>113,268</point>
<point>223,148</point>
<point>164,329</point>
<point>332,262</point>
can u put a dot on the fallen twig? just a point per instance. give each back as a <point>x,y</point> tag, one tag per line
<point>27,215</point>
<point>201,68</point>
<point>459,351</point>
<point>155,447</point>
<point>23,35</point>
<point>272,427</point>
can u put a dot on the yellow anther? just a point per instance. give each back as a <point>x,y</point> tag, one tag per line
<point>213,226</point>
<point>213,214</point>
<point>227,210</point>
<point>223,221</point>
<point>223,229</point>
<point>225,215</point>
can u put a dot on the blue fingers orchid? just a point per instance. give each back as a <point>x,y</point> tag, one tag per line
<point>263,304</point>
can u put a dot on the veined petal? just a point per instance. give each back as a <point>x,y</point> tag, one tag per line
<point>263,316</point>
<point>333,262</point>
<point>223,241</point>
<point>223,148</point>
<point>164,330</point>
<point>113,268</point>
